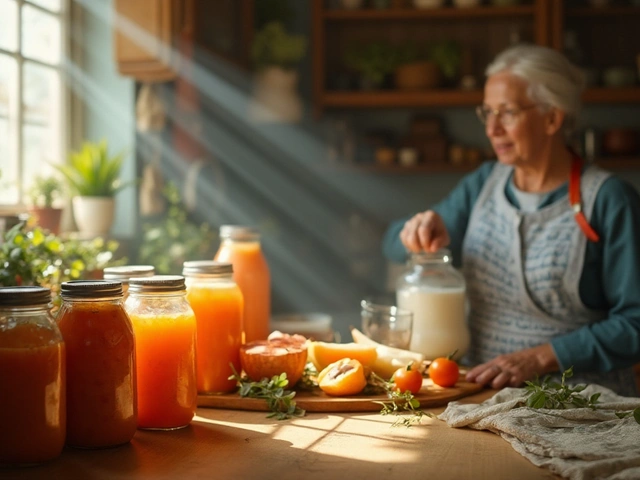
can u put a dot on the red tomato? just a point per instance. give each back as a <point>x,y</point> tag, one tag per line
<point>408,378</point>
<point>444,372</point>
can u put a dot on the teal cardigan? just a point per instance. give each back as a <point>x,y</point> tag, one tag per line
<point>610,280</point>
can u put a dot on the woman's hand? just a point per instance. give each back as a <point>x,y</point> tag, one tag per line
<point>513,369</point>
<point>425,231</point>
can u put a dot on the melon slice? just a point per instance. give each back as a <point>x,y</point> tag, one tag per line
<point>323,354</point>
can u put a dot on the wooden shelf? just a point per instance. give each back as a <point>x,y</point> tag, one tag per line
<point>613,11</point>
<point>612,95</point>
<point>608,163</point>
<point>396,169</point>
<point>619,163</point>
<point>442,97</point>
<point>450,13</point>
<point>389,98</point>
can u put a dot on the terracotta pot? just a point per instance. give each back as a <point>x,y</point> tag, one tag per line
<point>47,218</point>
<point>620,141</point>
<point>417,76</point>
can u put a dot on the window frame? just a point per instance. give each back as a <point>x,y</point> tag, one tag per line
<point>66,120</point>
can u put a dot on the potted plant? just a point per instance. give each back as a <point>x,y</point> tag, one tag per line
<point>275,55</point>
<point>373,62</point>
<point>448,55</point>
<point>44,191</point>
<point>414,71</point>
<point>93,176</point>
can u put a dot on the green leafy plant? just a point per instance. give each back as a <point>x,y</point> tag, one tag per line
<point>554,395</point>
<point>31,256</point>
<point>448,55</point>
<point>273,46</point>
<point>548,394</point>
<point>402,404</point>
<point>168,241</point>
<point>373,61</point>
<point>280,402</point>
<point>45,190</point>
<point>93,172</point>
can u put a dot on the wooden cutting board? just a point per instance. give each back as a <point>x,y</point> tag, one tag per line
<point>317,401</point>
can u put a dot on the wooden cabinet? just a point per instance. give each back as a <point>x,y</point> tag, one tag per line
<point>607,35</point>
<point>150,36</point>
<point>144,35</point>
<point>483,30</point>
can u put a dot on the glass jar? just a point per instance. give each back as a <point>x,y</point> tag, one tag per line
<point>241,247</point>
<point>217,302</point>
<point>125,272</point>
<point>101,373</point>
<point>32,378</point>
<point>435,292</point>
<point>165,329</point>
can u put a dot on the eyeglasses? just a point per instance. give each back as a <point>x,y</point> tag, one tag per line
<point>506,116</point>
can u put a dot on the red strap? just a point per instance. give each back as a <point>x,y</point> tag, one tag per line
<point>576,202</point>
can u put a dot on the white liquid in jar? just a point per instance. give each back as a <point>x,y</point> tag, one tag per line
<point>439,325</point>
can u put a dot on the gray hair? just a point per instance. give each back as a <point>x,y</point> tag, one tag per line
<point>553,80</point>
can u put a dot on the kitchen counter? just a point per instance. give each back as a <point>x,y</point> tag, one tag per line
<point>247,445</point>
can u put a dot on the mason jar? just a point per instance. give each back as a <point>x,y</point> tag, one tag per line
<point>123,273</point>
<point>435,292</point>
<point>165,328</point>
<point>217,302</point>
<point>101,372</point>
<point>32,378</point>
<point>240,246</point>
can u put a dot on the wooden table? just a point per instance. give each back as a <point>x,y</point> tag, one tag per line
<point>229,444</point>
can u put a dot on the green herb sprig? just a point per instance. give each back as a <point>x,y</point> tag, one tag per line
<point>402,404</point>
<point>554,395</point>
<point>279,401</point>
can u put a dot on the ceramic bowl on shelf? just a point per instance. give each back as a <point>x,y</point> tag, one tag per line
<point>428,3</point>
<point>466,3</point>
<point>620,141</point>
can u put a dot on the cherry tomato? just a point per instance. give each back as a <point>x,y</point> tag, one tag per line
<point>444,371</point>
<point>408,378</point>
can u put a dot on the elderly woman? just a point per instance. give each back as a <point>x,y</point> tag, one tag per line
<point>550,248</point>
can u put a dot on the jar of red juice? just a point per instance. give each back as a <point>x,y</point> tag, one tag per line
<point>32,378</point>
<point>101,373</point>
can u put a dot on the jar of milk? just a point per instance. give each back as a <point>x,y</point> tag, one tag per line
<point>435,292</point>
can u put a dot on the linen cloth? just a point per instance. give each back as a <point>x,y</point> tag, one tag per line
<point>577,443</point>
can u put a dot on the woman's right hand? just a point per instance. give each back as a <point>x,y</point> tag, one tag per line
<point>424,231</point>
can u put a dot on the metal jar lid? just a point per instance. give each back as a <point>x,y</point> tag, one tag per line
<point>125,272</point>
<point>239,232</point>
<point>91,289</point>
<point>24,296</point>
<point>157,284</point>
<point>206,267</point>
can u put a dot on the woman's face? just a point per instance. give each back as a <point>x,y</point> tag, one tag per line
<point>517,133</point>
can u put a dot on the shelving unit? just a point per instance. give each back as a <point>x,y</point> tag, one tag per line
<point>485,29</point>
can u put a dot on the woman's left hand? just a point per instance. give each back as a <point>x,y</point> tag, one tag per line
<point>513,369</point>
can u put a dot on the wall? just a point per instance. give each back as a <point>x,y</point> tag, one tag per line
<point>107,99</point>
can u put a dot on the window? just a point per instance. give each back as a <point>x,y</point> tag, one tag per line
<point>33,101</point>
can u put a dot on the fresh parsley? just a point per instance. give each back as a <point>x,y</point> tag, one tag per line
<point>402,404</point>
<point>280,402</point>
<point>554,395</point>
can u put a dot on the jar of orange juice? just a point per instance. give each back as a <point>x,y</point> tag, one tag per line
<point>123,273</point>
<point>217,302</point>
<point>165,328</point>
<point>32,378</point>
<point>241,247</point>
<point>101,374</point>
